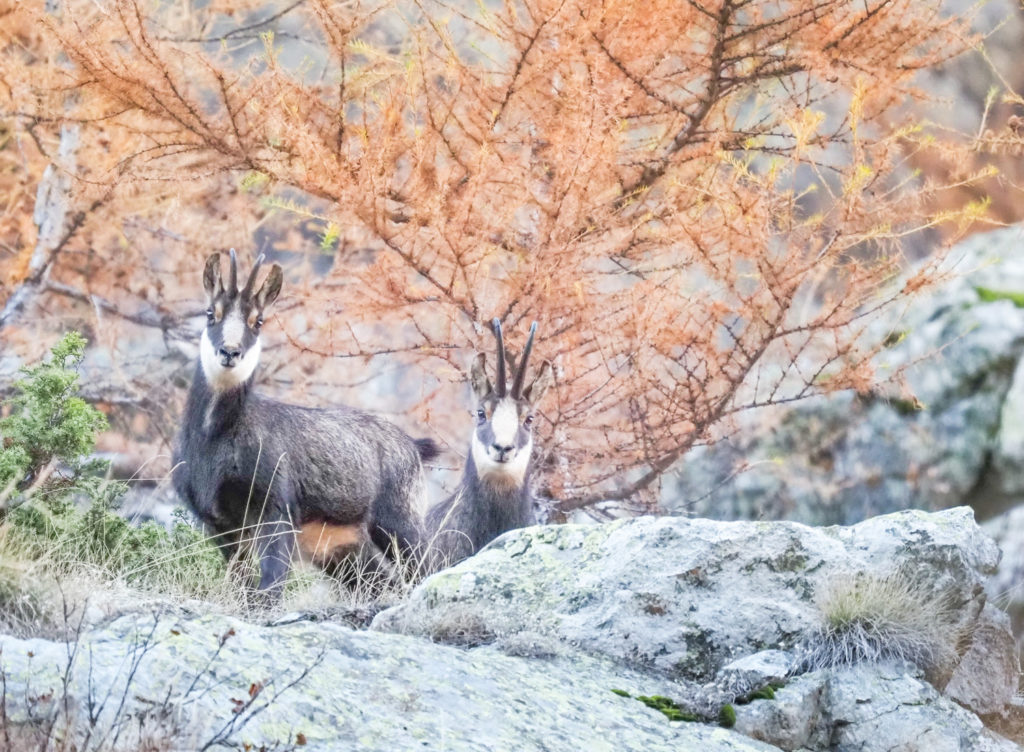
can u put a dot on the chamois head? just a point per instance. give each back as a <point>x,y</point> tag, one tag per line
<point>230,346</point>
<point>503,438</point>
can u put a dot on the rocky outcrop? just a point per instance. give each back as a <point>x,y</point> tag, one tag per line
<point>685,596</point>
<point>843,458</point>
<point>1005,588</point>
<point>881,707</point>
<point>737,607</point>
<point>988,675</point>
<point>651,633</point>
<point>217,681</point>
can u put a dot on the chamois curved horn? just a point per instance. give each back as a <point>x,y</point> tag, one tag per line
<point>251,283</point>
<point>517,385</point>
<point>501,387</point>
<point>233,279</point>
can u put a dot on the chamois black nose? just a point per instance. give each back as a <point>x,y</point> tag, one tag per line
<point>503,452</point>
<point>228,355</point>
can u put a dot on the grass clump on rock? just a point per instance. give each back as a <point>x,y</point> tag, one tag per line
<point>727,716</point>
<point>894,616</point>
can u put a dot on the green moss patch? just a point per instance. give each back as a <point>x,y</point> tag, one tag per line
<point>727,716</point>
<point>669,707</point>
<point>767,692</point>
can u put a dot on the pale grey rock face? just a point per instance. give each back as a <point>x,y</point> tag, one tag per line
<point>877,709</point>
<point>1008,531</point>
<point>842,458</point>
<point>1008,457</point>
<point>758,670</point>
<point>686,596</point>
<point>699,611</point>
<point>866,709</point>
<point>988,675</point>
<point>791,720</point>
<point>339,689</point>
<point>1006,587</point>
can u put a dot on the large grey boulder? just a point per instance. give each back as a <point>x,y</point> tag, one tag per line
<point>566,636</point>
<point>842,458</point>
<point>866,709</point>
<point>1005,588</point>
<point>988,676</point>
<point>219,683</point>
<point>685,596</point>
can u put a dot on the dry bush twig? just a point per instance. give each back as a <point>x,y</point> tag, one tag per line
<point>101,720</point>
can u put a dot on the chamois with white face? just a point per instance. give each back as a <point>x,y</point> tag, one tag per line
<point>229,348</point>
<point>494,494</point>
<point>343,487</point>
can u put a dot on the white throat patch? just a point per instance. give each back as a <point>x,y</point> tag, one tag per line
<point>512,472</point>
<point>223,379</point>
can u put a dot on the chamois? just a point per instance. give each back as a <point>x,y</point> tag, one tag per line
<point>494,494</point>
<point>263,475</point>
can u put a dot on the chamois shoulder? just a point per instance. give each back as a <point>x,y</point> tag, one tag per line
<point>332,421</point>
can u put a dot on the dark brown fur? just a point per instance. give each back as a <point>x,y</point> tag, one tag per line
<point>484,507</point>
<point>257,470</point>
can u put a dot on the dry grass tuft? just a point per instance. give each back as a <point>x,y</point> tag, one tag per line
<point>892,617</point>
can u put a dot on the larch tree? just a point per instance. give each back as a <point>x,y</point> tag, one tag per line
<point>703,202</point>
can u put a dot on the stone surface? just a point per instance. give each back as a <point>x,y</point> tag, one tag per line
<point>198,680</point>
<point>871,708</point>
<point>686,596</point>
<point>1008,457</point>
<point>1008,532</point>
<point>550,621</point>
<point>867,709</point>
<point>842,458</point>
<point>757,670</point>
<point>791,721</point>
<point>988,675</point>
<point>1005,588</point>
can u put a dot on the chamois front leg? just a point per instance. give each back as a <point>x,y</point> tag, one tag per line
<point>274,543</point>
<point>227,534</point>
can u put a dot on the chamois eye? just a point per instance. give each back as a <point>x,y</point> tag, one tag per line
<point>209,315</point>
<point>481,415</point>
<point>528,421</point>
<point>259,321</point>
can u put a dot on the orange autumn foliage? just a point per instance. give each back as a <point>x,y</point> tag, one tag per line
<point>702,202</point>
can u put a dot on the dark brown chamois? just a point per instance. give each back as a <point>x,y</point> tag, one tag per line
<point>343,486</point>
<point>494,494</point>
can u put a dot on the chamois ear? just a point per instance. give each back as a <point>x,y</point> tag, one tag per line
<point>535,391</point>
<point>478,377</point>
<point>211,277</point>
<point>271,287</point>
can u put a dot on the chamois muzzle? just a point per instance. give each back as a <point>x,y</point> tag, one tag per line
<point>502,453</point>
<point>229,356</point>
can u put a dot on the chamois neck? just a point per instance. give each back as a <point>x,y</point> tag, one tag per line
<point>506,494</point>
<point>212,410</point>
